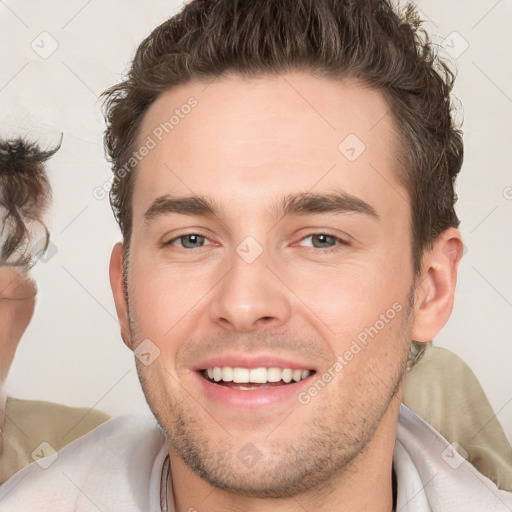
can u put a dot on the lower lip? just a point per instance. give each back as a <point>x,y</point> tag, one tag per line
<point>251,398</point>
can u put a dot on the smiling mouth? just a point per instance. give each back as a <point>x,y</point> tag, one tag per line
<point>253,378</point>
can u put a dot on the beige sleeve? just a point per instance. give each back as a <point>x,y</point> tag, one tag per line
<point>443,390</point>
<point>33,426</point>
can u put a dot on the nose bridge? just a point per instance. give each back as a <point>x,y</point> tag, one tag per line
<point>249,295</point>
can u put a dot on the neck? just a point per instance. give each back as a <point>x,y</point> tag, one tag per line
<point>364,484</point>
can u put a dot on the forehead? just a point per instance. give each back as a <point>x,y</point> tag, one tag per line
<point>247,141</point>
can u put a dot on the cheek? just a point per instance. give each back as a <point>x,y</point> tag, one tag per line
<point>346,298</point>
<point>14,318</point>
<point>161,298</point>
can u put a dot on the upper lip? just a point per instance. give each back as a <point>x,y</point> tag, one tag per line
<point>251,361</point>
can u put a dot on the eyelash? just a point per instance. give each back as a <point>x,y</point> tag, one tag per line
<point>170,242</point>
<point>340,241</point>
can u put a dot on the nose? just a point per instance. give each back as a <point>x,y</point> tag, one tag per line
<point>250,297</point>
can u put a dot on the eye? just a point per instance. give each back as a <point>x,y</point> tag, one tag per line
<point>190,241</point>
<point>323,241</point>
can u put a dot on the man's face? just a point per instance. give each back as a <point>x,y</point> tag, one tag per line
<point>17,301</point>
<point>272,278</point>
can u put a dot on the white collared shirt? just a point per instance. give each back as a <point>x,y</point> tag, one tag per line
<point>118,467</point>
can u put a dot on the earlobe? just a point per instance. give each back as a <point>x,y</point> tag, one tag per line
<point>118,290</point>
<point>436,286</point>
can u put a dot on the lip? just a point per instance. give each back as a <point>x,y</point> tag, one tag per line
<point>246,361</point>
<point>254,398</point>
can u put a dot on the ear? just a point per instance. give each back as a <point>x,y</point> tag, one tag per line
<point>118,290</point>
<point>436,285</point>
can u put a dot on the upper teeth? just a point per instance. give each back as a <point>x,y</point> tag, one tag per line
<point>257,375</point>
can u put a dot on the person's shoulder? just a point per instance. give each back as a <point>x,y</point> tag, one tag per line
<point>111,465</point>
<point>441,358</point>
<point>33,426</point>
<point>54,423</point>
<point>429,467</point>
<point>437,370</point>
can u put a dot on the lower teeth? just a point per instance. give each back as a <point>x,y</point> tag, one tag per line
<point>248,386</point>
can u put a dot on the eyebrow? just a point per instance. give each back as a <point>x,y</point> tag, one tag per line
<point>308,203</point>
<point>301,204</point>
<point>194,205</point>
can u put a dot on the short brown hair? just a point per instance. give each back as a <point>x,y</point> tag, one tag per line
<point>369,40</point>
<point>24,195</point>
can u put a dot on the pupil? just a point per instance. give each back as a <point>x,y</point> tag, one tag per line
<point>323,239</point>
<point>192,240</point>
